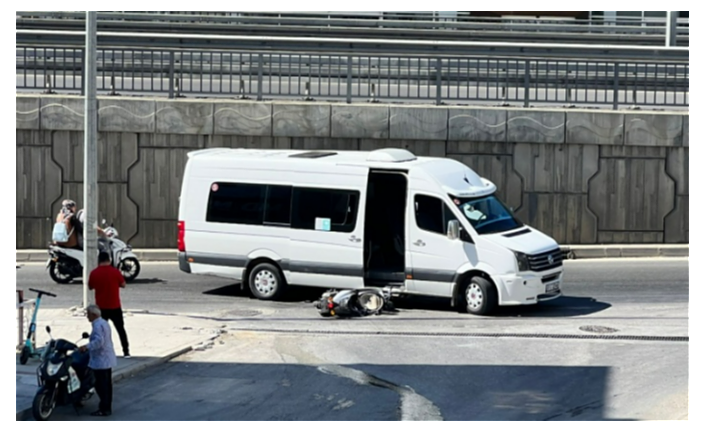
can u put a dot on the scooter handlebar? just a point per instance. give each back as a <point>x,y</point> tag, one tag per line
<point>41,292</point>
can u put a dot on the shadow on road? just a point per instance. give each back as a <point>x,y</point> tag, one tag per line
<point>231,290</point>
<point>295,294</point>
<point>147,281</point>
<point>295,392</point>
<point>565,306</point>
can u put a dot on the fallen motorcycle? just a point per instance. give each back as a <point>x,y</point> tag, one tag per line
<point>354,303</point>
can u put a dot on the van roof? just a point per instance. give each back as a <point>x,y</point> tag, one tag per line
<point>455,177</point>
<point>386,156</point>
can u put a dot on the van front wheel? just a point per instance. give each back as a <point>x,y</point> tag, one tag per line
<point>266,281</point>
<point>481,296</point>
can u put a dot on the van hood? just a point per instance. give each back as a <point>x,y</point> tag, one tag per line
<point>525,240</point>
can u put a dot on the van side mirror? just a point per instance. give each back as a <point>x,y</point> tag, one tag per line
<point>85,335</point>
<point>453,230</point>
<point>48,329</point>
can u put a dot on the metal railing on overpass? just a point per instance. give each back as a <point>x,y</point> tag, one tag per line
<point>348,77</point>
<point>360,25</point>
<point>372,20</point>
<point>65,38</point>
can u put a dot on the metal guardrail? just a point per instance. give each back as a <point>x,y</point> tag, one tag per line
<point>45,38</point>
<point>616,25</point>
<point>643,32</point>
<point>350,77</point>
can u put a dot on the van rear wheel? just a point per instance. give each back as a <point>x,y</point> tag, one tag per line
<point>266,281</point>
<point>481,297</point>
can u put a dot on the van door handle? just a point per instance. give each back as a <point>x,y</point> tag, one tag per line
<point>353,238</point>
<point>419,243</point>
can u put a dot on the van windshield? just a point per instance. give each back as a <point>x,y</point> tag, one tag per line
<point>487,214</point>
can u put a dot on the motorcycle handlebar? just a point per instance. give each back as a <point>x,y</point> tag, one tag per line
<point>41,292</point>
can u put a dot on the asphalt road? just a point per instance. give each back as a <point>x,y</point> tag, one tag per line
<point>248,377</point>
<point>161,287</point>
<point>385,91</point>
<point>281,361</point>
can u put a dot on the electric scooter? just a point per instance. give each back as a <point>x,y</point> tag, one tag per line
<point>30,350</point>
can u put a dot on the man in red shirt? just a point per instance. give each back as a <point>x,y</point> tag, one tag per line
<point>107,281</point>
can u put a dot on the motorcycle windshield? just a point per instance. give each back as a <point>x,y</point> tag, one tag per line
<point>63,346</point>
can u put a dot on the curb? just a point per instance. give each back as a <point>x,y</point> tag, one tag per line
<point>618,251</point>
<point>124,373</point>
<point>145,255</point>
<point>570,252</point>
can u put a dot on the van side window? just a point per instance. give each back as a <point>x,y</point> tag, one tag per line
<point>428,213</point>
<point>338,208</point>
<point>433,215</point>
<point>278,205</point>
<point>236,203</point>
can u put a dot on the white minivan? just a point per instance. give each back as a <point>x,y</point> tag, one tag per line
<point>353,219</point>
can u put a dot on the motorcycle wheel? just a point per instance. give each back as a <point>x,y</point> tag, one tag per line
<point>43,406</point>
<point>58,276</point>
<point>130,268</point>
<point>24,355</point>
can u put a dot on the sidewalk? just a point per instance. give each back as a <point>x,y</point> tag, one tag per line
<point>571,252</point>
<point>167,338</point>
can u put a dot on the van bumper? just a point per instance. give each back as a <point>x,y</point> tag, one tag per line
<point>183,263</point>
<point>529,288</point>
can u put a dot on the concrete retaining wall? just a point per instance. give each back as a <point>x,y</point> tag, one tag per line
<point>582,176</point>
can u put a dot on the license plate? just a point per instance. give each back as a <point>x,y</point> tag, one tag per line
<point>553,286</point>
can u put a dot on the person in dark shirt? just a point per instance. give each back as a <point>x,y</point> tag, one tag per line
<point>106,281</point>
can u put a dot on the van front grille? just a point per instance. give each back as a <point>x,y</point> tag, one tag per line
<point>544,261</point>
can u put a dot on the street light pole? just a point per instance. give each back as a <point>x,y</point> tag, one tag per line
<point>671,33</point>
<point>90,157</point>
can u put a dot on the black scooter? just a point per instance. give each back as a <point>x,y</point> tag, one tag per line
<point>354,303</point>
<point>63,378</point>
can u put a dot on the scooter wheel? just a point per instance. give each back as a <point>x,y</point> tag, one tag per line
<point>24,355</point>
<point>42,406</point>
<point>57,275</point>
<point>130,268</point>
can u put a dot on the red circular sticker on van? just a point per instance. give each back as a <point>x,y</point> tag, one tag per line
<point>214,187</point>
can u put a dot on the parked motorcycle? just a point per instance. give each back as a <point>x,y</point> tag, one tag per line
<point>63,378</point>
<point>65,264</point>
<point>354,303</point>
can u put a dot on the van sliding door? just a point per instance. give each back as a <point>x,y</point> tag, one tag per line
<point>327,233</point>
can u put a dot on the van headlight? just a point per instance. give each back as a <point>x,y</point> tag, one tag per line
<point>522,261</point>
